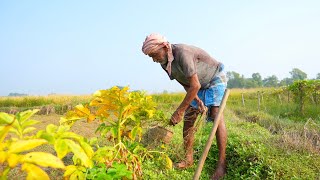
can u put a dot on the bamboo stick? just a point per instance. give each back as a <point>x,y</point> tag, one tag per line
<point>212,134</point>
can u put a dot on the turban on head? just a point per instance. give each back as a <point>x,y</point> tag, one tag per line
<point>155,42</point>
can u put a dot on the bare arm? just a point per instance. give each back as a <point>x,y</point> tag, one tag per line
<point>201,106</point>
<point>197,99</point>
<point>192,91</point>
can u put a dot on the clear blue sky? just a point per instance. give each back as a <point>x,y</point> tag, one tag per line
<point>77,47</point>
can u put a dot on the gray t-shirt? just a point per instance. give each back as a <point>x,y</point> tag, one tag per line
<point>190,60</point>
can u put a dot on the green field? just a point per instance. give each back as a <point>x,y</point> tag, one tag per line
<point>267,139</point>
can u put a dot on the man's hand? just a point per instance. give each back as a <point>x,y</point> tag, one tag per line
<point>201,106</point>
<point>176,117</point>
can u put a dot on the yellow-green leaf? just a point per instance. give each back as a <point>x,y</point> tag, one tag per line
<point>51,128</point>
<point>61,148</point>
<point>87,148</point>
<point>69,120</point>
<point>47,136</point>
<point>34,172</point>
<point>23,116</point>
<point>114,132</point>
<point>62,129</point>
<point>29,123</point>
<point>25,145</point>
<point>168,162</point>
<point>13,160</point>
<point>43,159</point>
<point>79,152</point>
<point>3,156</point>
<point>6,118</point>
<point>134,132</point>
<point>70,170</point>
<point>77,175</point>
<point>70,135</point>
<point>28,129</point>
<point>4,132</point>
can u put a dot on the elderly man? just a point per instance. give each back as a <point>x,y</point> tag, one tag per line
<point>204,80</point>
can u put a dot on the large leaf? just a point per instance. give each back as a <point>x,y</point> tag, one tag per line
<point>62,129</point>
<point>69,170</point>
<point>51,128</point>
<point>43,159</point>
<point>3,156</point>
<point>70,135</point>
<point>79,152</point>
<point>103,111</point>
<point>23,116</point>
<point>69,120</point>
<point>47,136</point>
<point>127,111</point>
<point>134,132</point>
<point>61,148</point>
<point>13,160</point>
<point>25,145</point>
<point>91,117</point>
<point>82,111</point>
<point>28,129</point>
<point>3,133</point>
<point>34,172</point>
<point>87,148</point>
<point>77,175</point>
<point>6,118</point>
<point>29,123</point>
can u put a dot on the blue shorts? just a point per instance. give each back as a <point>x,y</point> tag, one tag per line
<point>211,96</point>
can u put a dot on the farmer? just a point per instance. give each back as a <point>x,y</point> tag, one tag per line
<point>204,80</point>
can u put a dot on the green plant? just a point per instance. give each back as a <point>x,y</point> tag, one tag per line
<point>120,113</point>
<point>101,172</point>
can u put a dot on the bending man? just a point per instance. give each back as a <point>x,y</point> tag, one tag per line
<point>204,80</point>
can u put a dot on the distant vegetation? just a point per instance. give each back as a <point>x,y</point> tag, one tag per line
<point>239,81</point>
<point>17,94</point>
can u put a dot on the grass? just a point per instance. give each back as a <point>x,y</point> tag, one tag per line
<point>275,104</point>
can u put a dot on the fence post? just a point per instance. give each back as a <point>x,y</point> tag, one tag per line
<point>280,98</point>
<point>242,99</point>
<point>258,101</point>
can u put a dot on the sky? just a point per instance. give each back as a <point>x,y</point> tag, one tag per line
<point>78,47</point>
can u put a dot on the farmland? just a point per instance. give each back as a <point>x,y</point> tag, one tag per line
<point>268,137</point>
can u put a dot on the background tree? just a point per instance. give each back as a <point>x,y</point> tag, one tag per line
<point>297,74</point>
<point>318,76</point>
<point>271,81</point>
<point>257,79</point>
<point>235,80</point>
<point>286,81</point>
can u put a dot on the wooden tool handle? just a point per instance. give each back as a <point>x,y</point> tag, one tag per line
<point>212,134</point>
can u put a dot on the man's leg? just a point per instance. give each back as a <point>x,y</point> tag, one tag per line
<point>222,144</point>
<point>190,117</point>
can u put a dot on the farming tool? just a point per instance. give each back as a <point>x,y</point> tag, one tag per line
<point>211,136</point>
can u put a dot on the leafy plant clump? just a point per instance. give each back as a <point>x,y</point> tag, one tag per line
<point>120,114</point>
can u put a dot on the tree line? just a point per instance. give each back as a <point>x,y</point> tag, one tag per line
<point>239,81</point>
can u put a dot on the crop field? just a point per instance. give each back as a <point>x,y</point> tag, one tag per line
<point>103,136</point>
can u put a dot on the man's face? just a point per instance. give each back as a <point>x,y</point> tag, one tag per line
<point>159,56</point>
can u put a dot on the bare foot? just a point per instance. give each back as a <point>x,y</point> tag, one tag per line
<point>219,173</point>
<point>183,164</point>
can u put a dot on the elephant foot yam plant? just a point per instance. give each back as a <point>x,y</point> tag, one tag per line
<point>120,114</point>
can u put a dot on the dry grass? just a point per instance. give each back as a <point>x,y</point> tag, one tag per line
<point>31,101</point>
